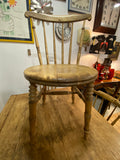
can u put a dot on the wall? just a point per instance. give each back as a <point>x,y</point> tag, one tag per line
<point>14,58</point>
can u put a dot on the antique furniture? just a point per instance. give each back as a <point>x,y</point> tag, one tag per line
<point>58,75</point>
<point>111,86</point>
<point>59,131</point>
<point>111,101</point>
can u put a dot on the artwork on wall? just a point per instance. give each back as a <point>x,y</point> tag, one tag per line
<point>14,27</point>
<point>80,6</point>
<point>42,6</point>
<point>108,12</point>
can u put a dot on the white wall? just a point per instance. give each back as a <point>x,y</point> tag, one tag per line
<point>14,59</point>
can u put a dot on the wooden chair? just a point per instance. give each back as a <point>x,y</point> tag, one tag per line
<point>102,96</point>
<point>59,75</point>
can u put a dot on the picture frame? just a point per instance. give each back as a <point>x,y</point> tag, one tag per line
<point>15,27</point>
<point>108,16</point>
<point>83,6</point>
<point>116,51</point>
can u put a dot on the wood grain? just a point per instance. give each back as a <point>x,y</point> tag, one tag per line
<point>62,49</point>
<point>70,47</point>
<point>45,40</point>
<point>58,19</point>
<point>37,45</point>
<point>59,133</point>
<point>81,42</point>
<point>54,44</point>
<point>59,73</point>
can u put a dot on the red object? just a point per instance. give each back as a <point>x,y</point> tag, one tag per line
<point>104,72</point>
<point>104,43</point>
<point>111,74</point>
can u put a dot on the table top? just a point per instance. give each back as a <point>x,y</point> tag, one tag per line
<point>59,131</point>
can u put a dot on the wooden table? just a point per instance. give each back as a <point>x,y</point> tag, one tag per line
<point>59,131</point>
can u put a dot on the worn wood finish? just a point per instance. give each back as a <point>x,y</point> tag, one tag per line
<point>70,47</point>
<point>62,50</point>
<point>58,136</point>
<point>59,75</point>
<point>81,42</point>
<point>88,107</point>
<point>37,44</point>
<point>44,94</point>
<point>113,83</point>
<point>108,97</point>
<point>45,40</point>
<point>58,19</point>
<point>54,44</point>
<point>32,110</point>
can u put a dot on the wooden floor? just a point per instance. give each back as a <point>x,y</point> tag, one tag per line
<point>59,132</point>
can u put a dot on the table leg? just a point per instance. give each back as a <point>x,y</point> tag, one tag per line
<point>88,107</point>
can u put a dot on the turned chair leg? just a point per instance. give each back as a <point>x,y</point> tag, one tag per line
<point>32,111</point>
<point>44,94</point>
<point>88,107</point>
<point>73,96</point>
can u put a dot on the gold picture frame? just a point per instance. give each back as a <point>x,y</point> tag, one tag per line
<point>15,27</point>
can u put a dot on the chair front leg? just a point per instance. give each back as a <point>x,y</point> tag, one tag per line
<point>73,96</point>
<point>44,94</point>
<point>88,107</point>
<point>32,111</point>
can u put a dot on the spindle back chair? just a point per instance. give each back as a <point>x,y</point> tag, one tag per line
<point>57,19</point>
<point>100,97</point>
<point>59,75</point>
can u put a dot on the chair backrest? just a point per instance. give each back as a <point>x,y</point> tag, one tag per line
<point>57,19</point>
<point>103,99</point>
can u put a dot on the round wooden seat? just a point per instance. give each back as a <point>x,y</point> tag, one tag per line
<point>62,74</point>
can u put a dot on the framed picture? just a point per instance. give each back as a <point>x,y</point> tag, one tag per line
<point>14,27</point>
<point>107,16</point>
<point>80,6</point>
<point>115,53</point>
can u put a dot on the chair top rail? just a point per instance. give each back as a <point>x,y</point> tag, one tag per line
<point>108,97</point>
<point>58,19</point>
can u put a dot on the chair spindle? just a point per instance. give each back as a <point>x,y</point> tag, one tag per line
<point>37,44</point>
<point>100,105</point>
<point>81,42</point>
<point>45,40</point>
<point>54,44</point>
<point>62,43</point>
<point>70,47</point>
<point>111,113</point>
